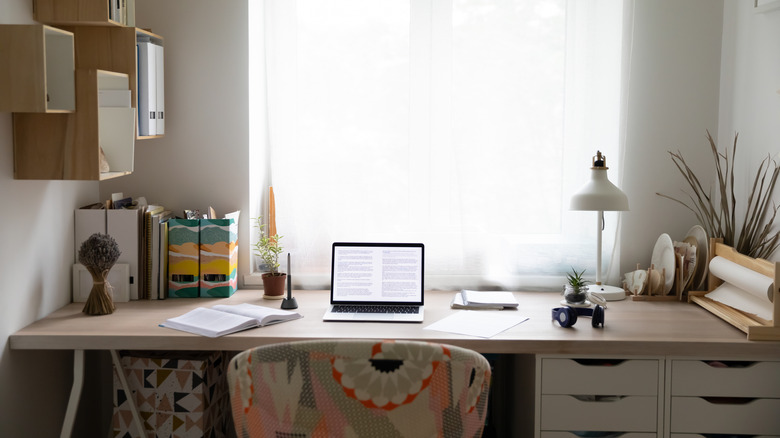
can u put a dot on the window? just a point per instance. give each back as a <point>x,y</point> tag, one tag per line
<point>462,124</point>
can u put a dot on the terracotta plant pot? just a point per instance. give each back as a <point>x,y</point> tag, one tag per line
<point>273,286</point>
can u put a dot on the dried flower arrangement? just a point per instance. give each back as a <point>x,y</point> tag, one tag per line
<point>98,254</point>
<point>756,237</point>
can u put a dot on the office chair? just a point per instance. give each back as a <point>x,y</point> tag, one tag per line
<point>359,388</point>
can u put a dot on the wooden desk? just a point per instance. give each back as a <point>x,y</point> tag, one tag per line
<point>631,328</point>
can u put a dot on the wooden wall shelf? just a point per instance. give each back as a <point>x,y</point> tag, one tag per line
<point>36,69</point>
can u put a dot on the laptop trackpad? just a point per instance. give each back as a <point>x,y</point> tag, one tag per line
<point>374,316</point>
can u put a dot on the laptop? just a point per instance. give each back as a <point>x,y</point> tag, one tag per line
<point>376,282</point>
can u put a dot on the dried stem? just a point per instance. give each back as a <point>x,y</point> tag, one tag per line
<point>756,237</point>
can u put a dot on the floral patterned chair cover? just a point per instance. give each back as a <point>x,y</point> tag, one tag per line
<point>359,388</point>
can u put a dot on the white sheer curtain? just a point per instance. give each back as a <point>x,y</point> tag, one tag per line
<point>462,124</point>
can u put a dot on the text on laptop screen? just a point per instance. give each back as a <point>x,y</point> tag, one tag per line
<point>377,274</point>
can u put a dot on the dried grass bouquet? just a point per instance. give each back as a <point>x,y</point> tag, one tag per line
<point>98,254</point>
<point>756,237</point>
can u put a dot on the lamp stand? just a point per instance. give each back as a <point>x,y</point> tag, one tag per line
<point>610,293</point>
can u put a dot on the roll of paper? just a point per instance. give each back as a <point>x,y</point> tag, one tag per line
<point>742,277</point>
<point>743,288</point>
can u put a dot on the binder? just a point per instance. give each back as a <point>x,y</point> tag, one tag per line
<point>147,88</point>
<point>183,258</point>
<point>151,250</point>
<point>124,225</point>
<point>218,257</point>
<point>160,88</point>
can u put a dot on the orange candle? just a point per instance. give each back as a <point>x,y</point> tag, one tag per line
<point>271,212</point>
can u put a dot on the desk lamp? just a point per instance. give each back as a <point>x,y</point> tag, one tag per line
<point>600,195</point>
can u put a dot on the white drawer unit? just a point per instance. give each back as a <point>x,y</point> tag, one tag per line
<point>723,397</point>
<point>585,396</point>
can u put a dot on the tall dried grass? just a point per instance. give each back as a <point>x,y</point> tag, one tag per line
<point>717,214</point>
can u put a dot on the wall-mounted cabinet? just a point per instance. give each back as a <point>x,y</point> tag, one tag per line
<point>36,69</point>
<point>68,146</point>
<point>114,49</point>
<point>100,43</point>
<point>85,12</point>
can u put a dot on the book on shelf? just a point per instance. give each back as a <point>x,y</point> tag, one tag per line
<point>472,299</point>
<point>224,319</point>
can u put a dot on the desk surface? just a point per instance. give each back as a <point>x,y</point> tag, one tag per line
<point>631,328</point>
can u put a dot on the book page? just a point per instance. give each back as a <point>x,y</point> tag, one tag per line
<point>471,297</point>
<point>209,322</point>
<point>263,315</point>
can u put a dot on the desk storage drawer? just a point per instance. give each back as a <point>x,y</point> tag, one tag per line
<point>600,376</point>
<point>699,415</point>
<point>597,435</point>
<point>725,379</point>
<point>629,414</point>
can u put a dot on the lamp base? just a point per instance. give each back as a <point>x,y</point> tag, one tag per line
<point>610,293</point>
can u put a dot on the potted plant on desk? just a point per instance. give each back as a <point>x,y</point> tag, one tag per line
<point>576,291</point>
<point>268,249</point>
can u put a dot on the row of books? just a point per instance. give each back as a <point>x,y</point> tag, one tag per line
<point>151,87</point>
<point>117,11</point>
<point>139,230</point>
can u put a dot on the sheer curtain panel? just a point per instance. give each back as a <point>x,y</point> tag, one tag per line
<point>462,124</point>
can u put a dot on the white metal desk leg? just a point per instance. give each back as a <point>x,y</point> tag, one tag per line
<point>75,394</point>
<point>130,399</point>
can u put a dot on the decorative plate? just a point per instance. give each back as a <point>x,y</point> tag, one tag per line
<point>663,258</point>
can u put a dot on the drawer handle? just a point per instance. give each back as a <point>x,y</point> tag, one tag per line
<point>598,398</point>
<point>728,400</point>
<point>729,363</point>
<point>591,434</point>
<point>599,362</point>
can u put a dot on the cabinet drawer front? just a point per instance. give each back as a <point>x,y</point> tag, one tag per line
<point>697,415</point>
<point>629,377</point>
<point>550,434</point>
<point>630,414</point>
<point>698,378</point>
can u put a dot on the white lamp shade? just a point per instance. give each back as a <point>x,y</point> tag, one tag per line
<point>599,194</point>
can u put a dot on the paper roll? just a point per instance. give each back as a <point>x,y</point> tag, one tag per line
<point>743,288</point>
<point>742,277</point>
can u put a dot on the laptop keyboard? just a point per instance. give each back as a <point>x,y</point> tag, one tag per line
<point>351,308</point>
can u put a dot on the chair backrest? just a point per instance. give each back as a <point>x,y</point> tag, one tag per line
<point>359,388</point>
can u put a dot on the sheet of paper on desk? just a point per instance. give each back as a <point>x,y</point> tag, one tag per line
<point>478,323</point>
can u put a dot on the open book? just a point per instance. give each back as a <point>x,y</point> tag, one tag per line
<point>224,319</point>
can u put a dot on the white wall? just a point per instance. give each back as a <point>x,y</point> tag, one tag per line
<point>673,101</point>
<point>36,255</point>
<point>750,89</point>
<point>203,160</point>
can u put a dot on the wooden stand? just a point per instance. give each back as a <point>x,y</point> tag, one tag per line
<point>677,288</point>
<point>757,329</point>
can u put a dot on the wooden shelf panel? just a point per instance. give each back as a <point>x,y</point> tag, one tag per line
<point>37,73</point>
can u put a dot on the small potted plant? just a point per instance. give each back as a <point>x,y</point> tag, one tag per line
<point>576,291</point>
<point>268,249</point>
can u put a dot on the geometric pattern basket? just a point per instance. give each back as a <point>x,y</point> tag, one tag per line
<point>178,394</point>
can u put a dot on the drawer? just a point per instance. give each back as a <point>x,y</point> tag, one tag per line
<point>740,379</point>
<point>600,377</point>
<point>630,413</point>
<point>550,434</point>
<point>699,415</point>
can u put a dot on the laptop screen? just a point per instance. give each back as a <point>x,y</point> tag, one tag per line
<point>377,273</point>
